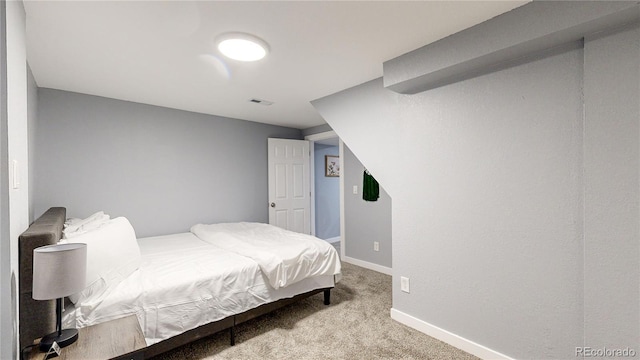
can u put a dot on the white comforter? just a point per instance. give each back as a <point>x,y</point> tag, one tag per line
<point>285,257</point>
<point>181,284</point>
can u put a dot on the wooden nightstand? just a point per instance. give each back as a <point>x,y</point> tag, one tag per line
<point>115,339</point>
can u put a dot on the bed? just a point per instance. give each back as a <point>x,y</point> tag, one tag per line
<point>186,286</point>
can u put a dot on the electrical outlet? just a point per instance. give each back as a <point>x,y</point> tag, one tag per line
<point>376,246</point>
<point>355,189</point>
<point>404,284</point>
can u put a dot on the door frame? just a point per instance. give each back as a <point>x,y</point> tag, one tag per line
<point>312,177</point>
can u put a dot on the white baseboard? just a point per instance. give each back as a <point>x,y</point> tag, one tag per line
<point>333,240</point>
<point>368,265</point>
<point>447,337</point>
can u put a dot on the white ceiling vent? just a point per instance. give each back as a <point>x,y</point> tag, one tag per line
<point>261,102</point>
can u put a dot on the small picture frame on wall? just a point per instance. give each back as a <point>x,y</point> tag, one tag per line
<point>331,166</point>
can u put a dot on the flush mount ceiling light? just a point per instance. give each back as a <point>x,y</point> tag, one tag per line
<point>242,47</point>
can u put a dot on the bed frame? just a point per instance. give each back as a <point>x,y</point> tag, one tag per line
<point>37,318</point>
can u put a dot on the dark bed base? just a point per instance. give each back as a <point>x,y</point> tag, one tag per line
<point>226,323</point>
<point>37,318</point>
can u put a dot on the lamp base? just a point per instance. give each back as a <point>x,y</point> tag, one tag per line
<point>66,338</point>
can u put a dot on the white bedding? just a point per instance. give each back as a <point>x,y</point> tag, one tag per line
<point>285,257</point>
<point>183,283</point>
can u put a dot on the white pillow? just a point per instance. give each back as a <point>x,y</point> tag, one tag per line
<point>74,227</point>
<point>112,255</point>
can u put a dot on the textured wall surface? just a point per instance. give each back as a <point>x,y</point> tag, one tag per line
<point>612,190</point>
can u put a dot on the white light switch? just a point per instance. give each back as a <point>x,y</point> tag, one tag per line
<point>355,189</point>
<point>16,175</point>
<point>404,284</point>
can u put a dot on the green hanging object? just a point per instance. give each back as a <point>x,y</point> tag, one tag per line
<point>370,187</point>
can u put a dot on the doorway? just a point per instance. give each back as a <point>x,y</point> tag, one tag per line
<point>325,188</point>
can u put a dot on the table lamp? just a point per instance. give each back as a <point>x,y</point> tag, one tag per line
<point>59,271</point>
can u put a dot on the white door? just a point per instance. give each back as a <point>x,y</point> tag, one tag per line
<point>289,197</point>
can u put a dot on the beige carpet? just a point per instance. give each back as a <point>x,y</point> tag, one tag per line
<point>356,325</point>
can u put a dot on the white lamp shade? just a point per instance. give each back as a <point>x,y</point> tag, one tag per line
<point>59,270</point>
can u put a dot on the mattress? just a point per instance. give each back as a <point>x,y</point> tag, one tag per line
<point>184,282</point>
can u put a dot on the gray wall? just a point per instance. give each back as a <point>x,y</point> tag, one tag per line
<point>163,169</point>
<point>365,221</point>
<point>15,128</point>
<point>7,335</point>
<point>515,198</point>
<point>612,189</point>
<point>32,122</point>
<point>327,192</point>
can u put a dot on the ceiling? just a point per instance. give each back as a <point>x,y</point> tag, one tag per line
<point>162,53</point>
